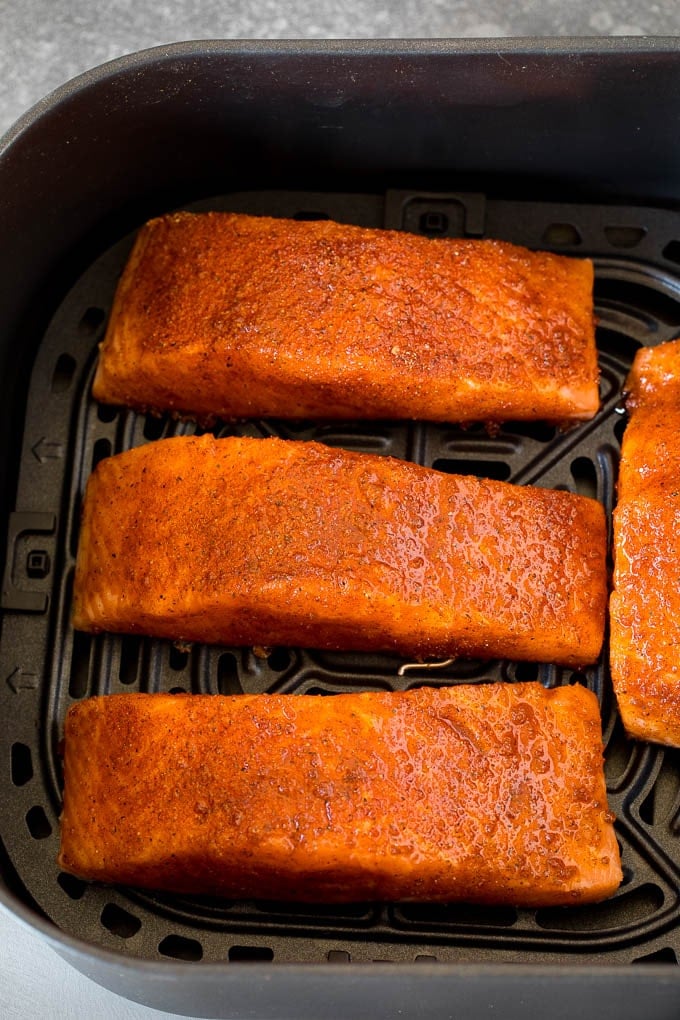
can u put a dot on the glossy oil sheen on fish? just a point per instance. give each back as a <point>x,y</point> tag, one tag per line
<point>227,315</point>
<point>489,793</point>
<point>645,603</point>
<point>269,542</point>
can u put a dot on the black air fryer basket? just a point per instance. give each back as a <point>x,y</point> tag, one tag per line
<point>570,147</point>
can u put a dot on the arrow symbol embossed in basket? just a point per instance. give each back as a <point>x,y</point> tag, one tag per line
<point>18,680</point>
<point>44,450</point>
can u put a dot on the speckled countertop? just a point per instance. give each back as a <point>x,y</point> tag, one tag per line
<point>45,42</point>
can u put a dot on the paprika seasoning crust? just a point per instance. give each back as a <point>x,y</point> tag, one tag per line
<point>645,603</point>
<point>227,315</point>
<point>488,793</point>
<point>243,541</point>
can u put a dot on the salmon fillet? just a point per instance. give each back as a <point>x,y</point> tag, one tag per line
<point>269,542</point>
<point>227,315</point>
<point>491,794</point>
<point>645,603</point>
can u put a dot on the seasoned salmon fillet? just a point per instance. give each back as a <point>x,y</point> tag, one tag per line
<point>227,315</point>
<point>645,603</point>
<point>269,542</point>
<point>491,794</point>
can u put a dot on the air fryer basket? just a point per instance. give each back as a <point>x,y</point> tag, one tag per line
<point>204,955</point>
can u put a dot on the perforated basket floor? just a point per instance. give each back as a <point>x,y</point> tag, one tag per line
<point>45,666</point>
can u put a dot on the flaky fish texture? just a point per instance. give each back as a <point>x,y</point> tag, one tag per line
<point>227,315</point>
<point>488,793</point>
<point>645,603</point>
<point>269,542</point>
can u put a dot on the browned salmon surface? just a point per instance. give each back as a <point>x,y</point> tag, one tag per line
<point>227,315</point>
<point>491,794</point>
<point>645,604</point>
<point>270,542</point>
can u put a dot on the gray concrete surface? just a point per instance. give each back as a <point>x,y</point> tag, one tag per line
<point>45,42</point>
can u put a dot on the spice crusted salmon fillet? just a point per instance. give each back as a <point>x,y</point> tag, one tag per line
<point>269,542</point>
<point>227,315</point>
<point>645,603</point>
<point>490,794</point>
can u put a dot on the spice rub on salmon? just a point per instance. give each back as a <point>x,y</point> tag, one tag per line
<point>489,793</point>
<point>227,315</point>
<point>645,603</point>
<point>269,542</point>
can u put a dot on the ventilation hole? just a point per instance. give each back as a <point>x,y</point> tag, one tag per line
<point>460,669</point>
<point>424,958</point>
<point>354,441</point>
<point>660,956</point>
<point>358,666</point>
<point>525,671</point>
<point>585,476</point>
<point>227,675</point>
<point>497,469</point>
<point>21,764</point>
<point>617,757</point>
<point>129,659</point>
<point>79,679</point>
<point>38,825</point>
<point>627,873</point>
<point>620,346</point>
<point>660,804</point>
<point>338,956</point>
<point>177,690</point>
<point>106,412</point>
<point>64,370</point>
<point>153,427</point>
<point>433,223</point>
<point>570,679</point>
<point>180,948</point>
<point>636,296</point>
<point>646,809</point>
<point>279,659</point>
<point>72,886</point>
<point>102,450</point>
<point>259,954</point>
<point>177,659</point>
<point>620,428</point>
<point>561,234</point>
<point>322,691</point>
<point>92,320</point>
<point>624,237</point>
<point>459,913</point>
<point>636,905</point>
<point>672,252</point>
<point>119,922</point>
<point>538,430</point>
<point>330,911</point>
<point>297,427</point>
<point>310,214</point>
